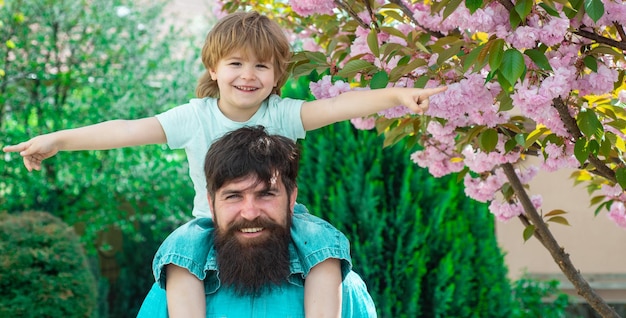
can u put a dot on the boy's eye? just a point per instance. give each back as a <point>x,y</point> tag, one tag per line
<point>235,63</point>
<point>262,66</point>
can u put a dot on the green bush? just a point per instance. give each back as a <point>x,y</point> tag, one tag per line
<point>535,298</point>
<point>43,268</point>
<point>73,63</point>
<point>423,248</point>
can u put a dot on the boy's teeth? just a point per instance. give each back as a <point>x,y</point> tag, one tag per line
<point>246,88</point>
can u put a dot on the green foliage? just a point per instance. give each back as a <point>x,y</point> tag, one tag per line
<point>538,299</point>
<point>43,268</point>
<point>135,279</point>
<point>423,248</point>
<point>74,63</point>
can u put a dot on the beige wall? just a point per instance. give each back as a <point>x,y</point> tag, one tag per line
<point>596,245</point>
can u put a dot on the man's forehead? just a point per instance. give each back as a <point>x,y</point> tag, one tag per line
<point>251,182</point>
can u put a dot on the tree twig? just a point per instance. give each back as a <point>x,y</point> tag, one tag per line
<point>557,252</point>
<point>572,127</point>
<point>409,14</point>
<point>601,39</point>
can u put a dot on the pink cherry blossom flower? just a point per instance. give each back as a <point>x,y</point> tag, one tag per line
<point>310,7</point>
<point>617,213</point>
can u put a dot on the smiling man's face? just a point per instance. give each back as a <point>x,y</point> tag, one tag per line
<point>247,203</point>
<point>252,234</point>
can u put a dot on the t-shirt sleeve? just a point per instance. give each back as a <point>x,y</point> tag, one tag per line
<point>179,123</point>
<point>290,121</point>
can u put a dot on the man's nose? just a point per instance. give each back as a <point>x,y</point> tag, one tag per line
<point>249,209</point>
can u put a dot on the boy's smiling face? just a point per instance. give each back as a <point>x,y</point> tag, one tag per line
<point>244,83</point>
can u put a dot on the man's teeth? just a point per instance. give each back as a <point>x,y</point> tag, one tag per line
<point>252,229</point>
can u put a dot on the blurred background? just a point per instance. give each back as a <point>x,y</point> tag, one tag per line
<point>78,237</point>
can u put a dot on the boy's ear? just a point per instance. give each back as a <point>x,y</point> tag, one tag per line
<point>213,74</point>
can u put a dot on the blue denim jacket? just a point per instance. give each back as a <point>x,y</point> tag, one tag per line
<point>314,240</point>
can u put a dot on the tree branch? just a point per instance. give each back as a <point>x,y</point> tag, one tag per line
<point>558,253</point>
<point>352,14</point>
<point>601,169</point>
<point>409,14</point>
<point>620,31</point>
<point>507,4</point>
<point>601,39</point>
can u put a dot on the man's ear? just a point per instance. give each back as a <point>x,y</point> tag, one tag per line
<point>208,196</point>
<point>292,198</point>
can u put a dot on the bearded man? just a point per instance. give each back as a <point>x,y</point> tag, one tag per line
<point>253,269</point>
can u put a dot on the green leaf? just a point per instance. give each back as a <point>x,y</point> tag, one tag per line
<point>558,219</point>
<point>514,19</point>
<point>473,5</point>
<point>550,10</point>
<point>606,204</point>
<point>620,175</point>
<point>555,212</point>
<point>594,9</point>
<point>451,7</point>
<point>534,136</point>
<point>510,145</point>
<point>355,66</point>
<point>506,102</point>
<point>512,66</point>
<point>317,57</point>
<point>496,54</point>
<point>523,8</point>
<point>580,150</point>
<point>488,139</point>
<point>521,140</point>
<point>591,63</point>
<point>593,147</point>
<point>539,58</point>
<point>589,124</point>
<point>471,58</point>
<point>379,80</point>
<point>528,232</point>
<point>372,42</point>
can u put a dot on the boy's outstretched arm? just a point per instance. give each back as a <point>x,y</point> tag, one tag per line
<point>106,135</point>
<point>353,104</point>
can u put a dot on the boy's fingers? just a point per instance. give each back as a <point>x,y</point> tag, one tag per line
<point>12,148</point>
<point>432,91</point>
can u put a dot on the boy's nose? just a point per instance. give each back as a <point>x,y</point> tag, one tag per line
<point>248,73</point>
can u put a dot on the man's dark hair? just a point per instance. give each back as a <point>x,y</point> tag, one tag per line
<point>251,151</point>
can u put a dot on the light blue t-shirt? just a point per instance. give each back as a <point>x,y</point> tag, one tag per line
<point>285,301</point>
<point>196,125</point>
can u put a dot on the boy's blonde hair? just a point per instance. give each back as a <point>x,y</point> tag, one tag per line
<point>251,32</point>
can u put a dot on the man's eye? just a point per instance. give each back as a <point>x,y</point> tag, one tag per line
<point>268,194</point>
<point>232,196</point>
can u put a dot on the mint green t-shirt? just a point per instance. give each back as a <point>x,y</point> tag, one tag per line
<point>196,125</point>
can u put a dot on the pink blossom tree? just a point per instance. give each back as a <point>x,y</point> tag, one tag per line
<point>526,77</point>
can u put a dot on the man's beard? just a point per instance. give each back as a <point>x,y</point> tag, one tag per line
<point>256,265</point>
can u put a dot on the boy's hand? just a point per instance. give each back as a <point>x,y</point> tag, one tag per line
<point>34,151</point>
<point>417,99</point>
